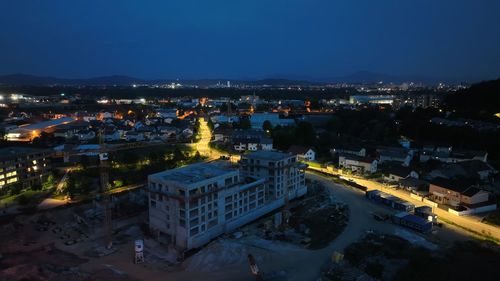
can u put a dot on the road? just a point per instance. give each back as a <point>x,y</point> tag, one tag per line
<point>467,222</point>
<point>203,144</point>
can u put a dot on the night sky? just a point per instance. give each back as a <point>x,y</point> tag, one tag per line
<point>250,39</point>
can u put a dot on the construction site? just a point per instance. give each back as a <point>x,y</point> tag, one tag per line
<point>109,239</point>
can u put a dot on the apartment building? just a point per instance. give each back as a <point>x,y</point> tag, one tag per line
<point>281,170</point>
<point>190,206</point>
<point>28,166</point>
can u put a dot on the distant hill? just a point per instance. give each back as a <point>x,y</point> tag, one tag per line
<point>361,77</point>
<point>32,80</point>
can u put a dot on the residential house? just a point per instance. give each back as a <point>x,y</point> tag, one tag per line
<point>134,136</point>
<point>147,132</point>
<point>395,154</point>
<point>111,134</point>
<point>478,168</point>
<point>86,135</point>
<point>446,154</point>
<point>222,134</point>
<point>187,132</point>
<point>358,164</point>
<point>397,173</point>
<point>167,132</point>
<point>414,185</point>
<point>349,149</point>
<point>66,132</point>
<point>456,192</point>
<point>471,169</point>
<point>303,153</point>
<point>251,140</point>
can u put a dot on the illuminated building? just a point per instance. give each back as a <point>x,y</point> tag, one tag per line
<point>27,166</point>
<point>192,205</point>
<point>29,132</point>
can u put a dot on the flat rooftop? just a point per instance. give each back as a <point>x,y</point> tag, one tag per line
<point>14,151</point>
<point>195,172</point>
<point>48,124</point>
<point>268,155</point>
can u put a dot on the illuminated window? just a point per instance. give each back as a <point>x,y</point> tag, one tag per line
<point>11,180</point>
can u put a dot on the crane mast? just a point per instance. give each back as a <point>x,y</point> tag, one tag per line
<point>104,182</point>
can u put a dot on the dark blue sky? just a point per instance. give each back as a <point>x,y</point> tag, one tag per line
<point>251,38</point>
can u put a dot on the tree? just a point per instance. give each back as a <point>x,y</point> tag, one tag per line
<point>305,134</point>
<point>244,123</point>
<point>178,155</point>
<point>155,157</point>
<point>267,126</point>
<point>85,161</point>
<point>16,188</point>
<point>130,158</point>
<point>50,182</point>
<point>197,156</point>
<point>210,124</point>
<point>71,187</point>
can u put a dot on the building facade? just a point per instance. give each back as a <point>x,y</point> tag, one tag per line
<point>24,166</point>
<point>190,206</point>
<point>282,172</point>
<point>358,164</point>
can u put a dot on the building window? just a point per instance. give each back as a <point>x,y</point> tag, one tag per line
<point>193,212</point>
<point>194,221</point>
<point>194,231</point>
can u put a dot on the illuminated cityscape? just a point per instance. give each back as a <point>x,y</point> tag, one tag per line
<point>249,140</point>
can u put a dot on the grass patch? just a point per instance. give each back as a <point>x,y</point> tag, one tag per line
<point>24,198</point>
<point>313,164</point>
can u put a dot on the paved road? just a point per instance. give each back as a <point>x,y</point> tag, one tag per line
<point>467,222</point>
<point>203,144</point>
<point>360,220</point>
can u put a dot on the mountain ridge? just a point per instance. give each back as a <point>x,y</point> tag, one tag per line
<point>360,77</point>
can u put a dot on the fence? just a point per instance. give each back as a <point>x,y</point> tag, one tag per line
<point>429,202</point>
<point>415,196</point>
<point>486,208</point>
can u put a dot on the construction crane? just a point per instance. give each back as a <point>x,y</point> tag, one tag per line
<point>104,182</point>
